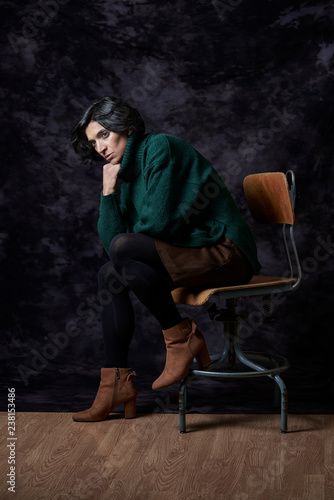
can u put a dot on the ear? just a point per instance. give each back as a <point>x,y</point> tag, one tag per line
<point>130,131</point>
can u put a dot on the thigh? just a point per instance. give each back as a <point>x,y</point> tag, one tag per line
<point>222,264</point>
<point>235,271</point>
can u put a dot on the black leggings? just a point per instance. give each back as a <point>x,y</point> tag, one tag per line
<point>134,266</point>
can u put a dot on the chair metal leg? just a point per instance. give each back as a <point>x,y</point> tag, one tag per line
<point>284,403</point>
<point>182,407</point>
<point>269,360</point>
<point>254,360</point>
<point>217,359</point>
<point>183,401</point>
<point>277,396</point>
<point>248,361</point>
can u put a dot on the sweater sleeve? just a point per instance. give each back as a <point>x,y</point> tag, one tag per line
<point>111,222</point>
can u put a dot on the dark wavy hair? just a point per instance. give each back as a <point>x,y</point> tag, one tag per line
<point>113,114</point>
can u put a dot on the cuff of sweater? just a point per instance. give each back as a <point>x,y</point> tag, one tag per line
<point>107,196</point>
<point>108,202</point>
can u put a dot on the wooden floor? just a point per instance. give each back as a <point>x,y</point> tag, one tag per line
<point>232,457</point>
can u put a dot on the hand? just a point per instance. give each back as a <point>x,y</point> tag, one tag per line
<point>110,174</point>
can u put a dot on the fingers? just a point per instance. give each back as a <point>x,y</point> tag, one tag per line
<point>110,173</point>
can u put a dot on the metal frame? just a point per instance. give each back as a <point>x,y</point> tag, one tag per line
<point>261,364</point>
<point>231,351</point>
<point>292,189</point>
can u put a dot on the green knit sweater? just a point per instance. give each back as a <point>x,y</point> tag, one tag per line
<point>172,193</point>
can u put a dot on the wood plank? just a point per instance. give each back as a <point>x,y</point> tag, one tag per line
<point>234,457</point>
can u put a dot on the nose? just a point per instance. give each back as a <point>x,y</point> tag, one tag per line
<point>99,147</point>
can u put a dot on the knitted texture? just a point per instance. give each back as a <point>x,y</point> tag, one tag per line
<point>171,192</point>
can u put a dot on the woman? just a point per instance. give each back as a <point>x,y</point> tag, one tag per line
<point>176,225</point>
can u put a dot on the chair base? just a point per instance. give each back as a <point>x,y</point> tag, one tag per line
<point>261,365</point>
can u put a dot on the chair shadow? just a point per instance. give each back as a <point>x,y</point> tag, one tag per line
<point>312,424</point>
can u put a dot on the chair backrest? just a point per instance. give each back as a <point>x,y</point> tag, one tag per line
<point>271,199</point>
<point>268,198</point>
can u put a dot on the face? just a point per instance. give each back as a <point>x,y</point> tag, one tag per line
<point>110,145</point>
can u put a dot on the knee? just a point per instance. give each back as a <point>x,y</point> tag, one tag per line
<point>119,248</point>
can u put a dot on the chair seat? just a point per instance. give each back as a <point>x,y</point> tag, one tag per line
<point>259,285</point>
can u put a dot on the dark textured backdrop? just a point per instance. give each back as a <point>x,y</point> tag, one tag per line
<point>250,85</point>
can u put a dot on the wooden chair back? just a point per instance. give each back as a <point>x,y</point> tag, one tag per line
<point>268,198</point>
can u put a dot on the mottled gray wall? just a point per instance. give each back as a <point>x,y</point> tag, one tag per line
<point>250,85</point>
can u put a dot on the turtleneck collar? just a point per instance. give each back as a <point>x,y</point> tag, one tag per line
<point>132,158</point>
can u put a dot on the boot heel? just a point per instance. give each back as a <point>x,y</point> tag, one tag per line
<point>130,408</point>
<point>203,358</point>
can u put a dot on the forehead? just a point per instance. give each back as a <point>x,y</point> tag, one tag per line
<point>93,130</point>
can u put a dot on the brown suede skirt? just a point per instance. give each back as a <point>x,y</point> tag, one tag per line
<point>219,265</point>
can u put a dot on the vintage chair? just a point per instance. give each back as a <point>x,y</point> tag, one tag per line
<point>271,199</point>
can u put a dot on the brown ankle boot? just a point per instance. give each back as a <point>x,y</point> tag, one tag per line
<point>116,387</point>
<point>184,343</point>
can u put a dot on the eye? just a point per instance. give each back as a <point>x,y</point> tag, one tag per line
<point>105,134</point>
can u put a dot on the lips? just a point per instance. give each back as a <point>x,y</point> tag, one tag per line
<point>109,157</point>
